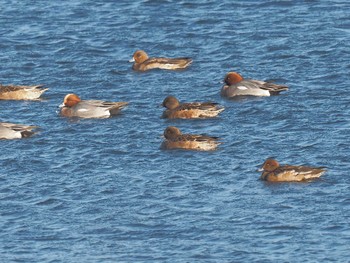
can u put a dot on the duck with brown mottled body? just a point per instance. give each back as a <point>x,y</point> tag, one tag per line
<point>235,85</point>
<point>15,131</point>
<point>174,139</point>
<point>13,92</point>
<point>143,63</point>
<point>274,172</point>
<point>73,106</point>
<point>193,110</point>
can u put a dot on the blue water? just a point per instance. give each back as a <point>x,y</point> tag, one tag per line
<point>103,191</point>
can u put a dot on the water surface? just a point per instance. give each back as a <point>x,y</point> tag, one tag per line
<point>103,191</point>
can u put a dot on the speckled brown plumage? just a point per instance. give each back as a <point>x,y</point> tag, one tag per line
<point>143,63</point>
<point>274,172</point>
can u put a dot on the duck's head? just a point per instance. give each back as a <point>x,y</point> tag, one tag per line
<point>232,78</point>
<point>170,102</point>
<point>139,56</point>
<point>270,165</point>
<point>70,100</point>
<point>171,132</point>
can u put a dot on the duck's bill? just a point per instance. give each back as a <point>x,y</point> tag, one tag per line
<point>132,60</point>
<point>61,105</point>
<point>260,170</point>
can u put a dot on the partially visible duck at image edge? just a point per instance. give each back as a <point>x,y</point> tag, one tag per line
<point>14,92</point>
<point>16,131</point>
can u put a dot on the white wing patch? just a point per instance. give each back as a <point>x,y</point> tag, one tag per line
<point>168,66</point>
<point>242,88</point>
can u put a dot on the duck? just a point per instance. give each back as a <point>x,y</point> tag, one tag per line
<point>236,85</point>
<point>272,171</point>
<point>14,92</point>
<point>192,110</point>
<point>73,106</point>
<point>143,63</point>
<point>15,131</point>
<point>174,139</point>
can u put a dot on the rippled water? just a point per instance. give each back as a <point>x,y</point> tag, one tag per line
<point>103,191</point>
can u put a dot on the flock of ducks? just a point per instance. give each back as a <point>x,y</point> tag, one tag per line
<point>235,85</point>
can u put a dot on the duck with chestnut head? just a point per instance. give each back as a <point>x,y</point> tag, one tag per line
<point>73,106</point>
<point>236,85</point>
